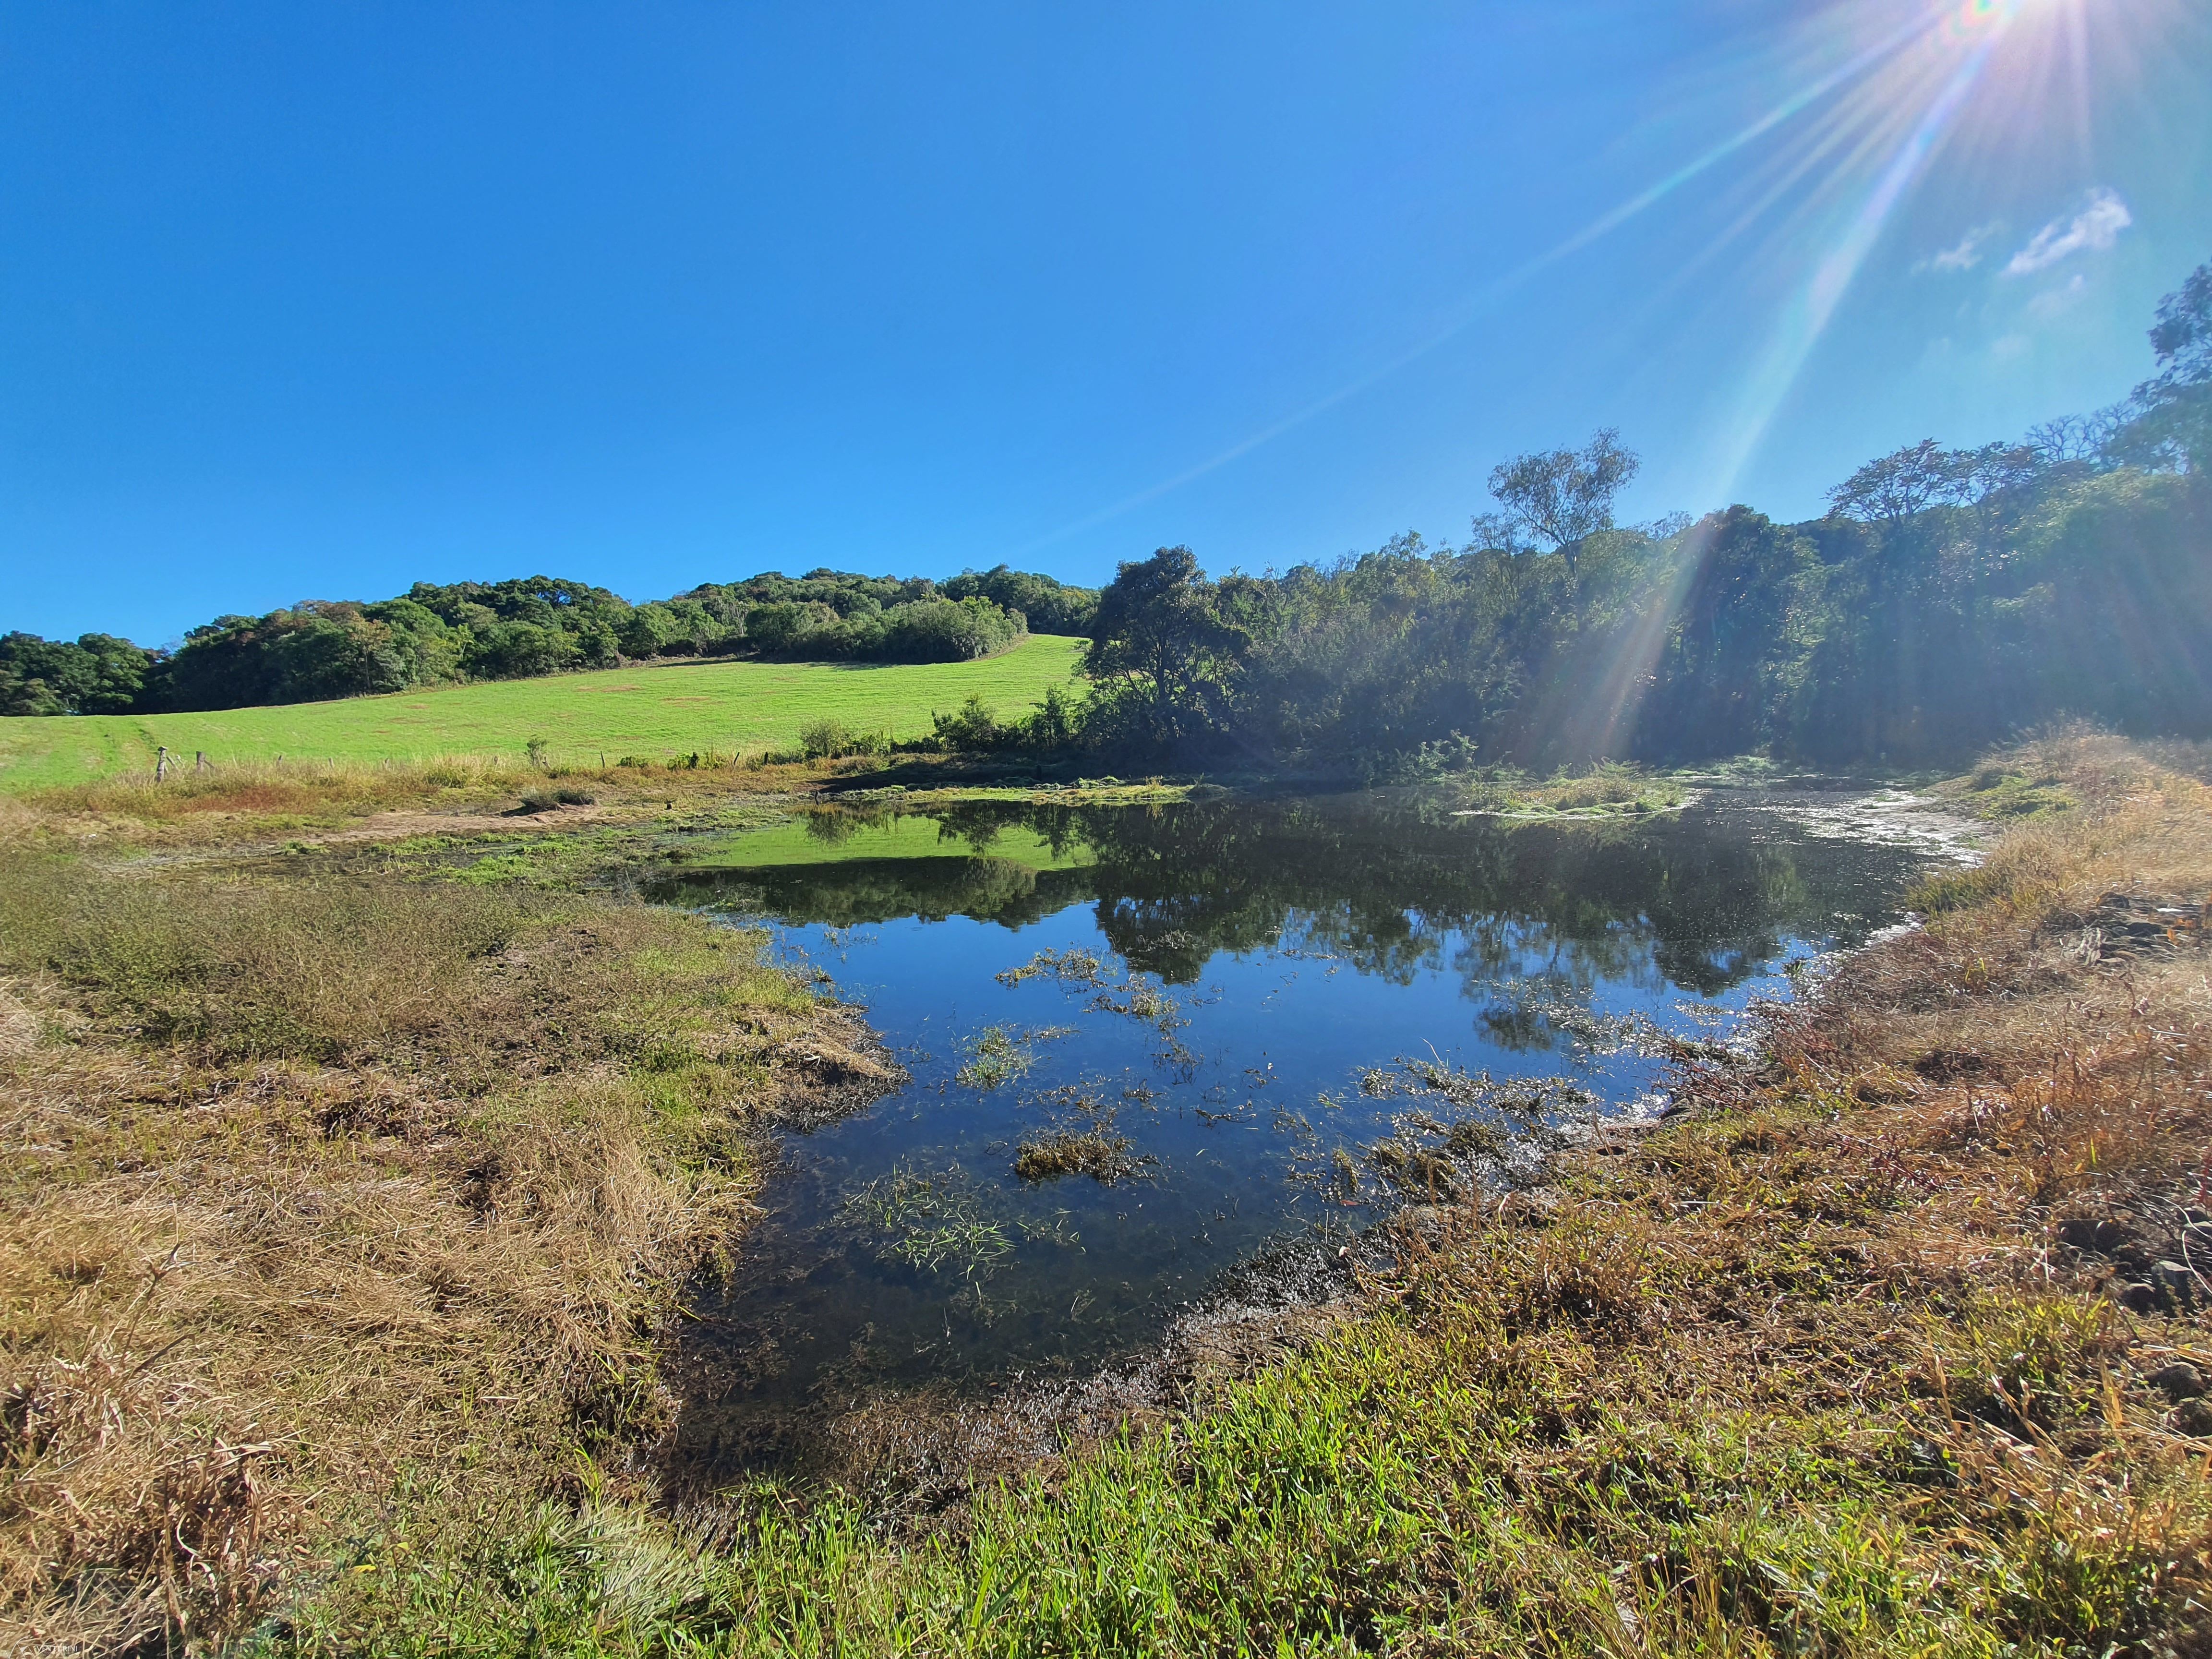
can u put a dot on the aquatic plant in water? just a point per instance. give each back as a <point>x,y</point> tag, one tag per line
<point>1072,967</point>
<point>929,1219</point>
<point>999,1055</point>
<point>944,1221</point>
<point>1106,1158</point>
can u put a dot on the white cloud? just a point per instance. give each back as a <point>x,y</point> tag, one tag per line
<point>1966,255</point>
<point>2096,227</point>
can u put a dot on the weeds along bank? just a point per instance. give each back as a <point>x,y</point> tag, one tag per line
<point>331,1190</point>
<point>1870,1351</point>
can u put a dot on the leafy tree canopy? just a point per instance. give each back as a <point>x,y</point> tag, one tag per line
<point>1564,495</point>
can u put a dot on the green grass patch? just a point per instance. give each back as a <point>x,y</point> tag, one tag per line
<point>1610,789</point>
<point>648,714</point>
<point>838,835</point>
<point>1998,794</point>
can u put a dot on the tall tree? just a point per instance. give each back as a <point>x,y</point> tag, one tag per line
<point>1161,648</point>
<point>1893,487</point>
<point>2170,415</point>
<point>1566,495</point>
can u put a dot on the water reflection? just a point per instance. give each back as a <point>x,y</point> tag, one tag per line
<point>1146,1041</point>
<point>1702,900</point>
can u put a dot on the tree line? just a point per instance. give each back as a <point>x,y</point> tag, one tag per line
<point>1946,600</point>
<point>438,634</point>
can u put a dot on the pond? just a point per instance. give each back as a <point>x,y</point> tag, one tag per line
<point>1149,1043</point>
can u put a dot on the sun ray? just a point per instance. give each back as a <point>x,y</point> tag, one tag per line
<point>1806,315</point>
<point>1485,298</point>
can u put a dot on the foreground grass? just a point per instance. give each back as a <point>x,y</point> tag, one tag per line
<point>653,713</point>
<point>323,1186</point>
<point>1872,1351</point>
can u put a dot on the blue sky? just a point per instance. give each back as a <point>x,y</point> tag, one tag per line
<point>313,302</point>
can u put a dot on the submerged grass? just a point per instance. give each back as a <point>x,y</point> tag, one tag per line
<point>997,1055</point>
<point>1874,1349</point>
<point>932,1219</point>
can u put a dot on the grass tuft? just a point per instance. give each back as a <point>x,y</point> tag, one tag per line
<point>1106,1158</point>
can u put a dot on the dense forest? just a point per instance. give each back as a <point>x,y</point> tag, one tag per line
<point>1947,599</point>
<point>515,630</point>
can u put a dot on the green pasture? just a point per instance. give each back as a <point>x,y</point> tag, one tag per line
<point>666,709</point>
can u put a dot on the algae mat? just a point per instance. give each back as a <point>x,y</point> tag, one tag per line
<point>664,709</point>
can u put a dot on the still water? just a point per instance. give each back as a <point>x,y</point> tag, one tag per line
<point>1148,1043</point>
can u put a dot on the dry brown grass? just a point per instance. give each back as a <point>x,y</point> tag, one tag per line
<point>211,809</point>
<point>319,1186</point>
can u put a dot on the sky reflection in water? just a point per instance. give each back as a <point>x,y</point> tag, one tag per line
<point>1263,970</point>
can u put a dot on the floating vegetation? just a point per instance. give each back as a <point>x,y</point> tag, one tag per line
<point>1079,1137</point>
<point>1068,967</point>
<point>1106,1158</point>
<point>1526,1020</point>
<point>1413,1168</point>
<point>1610,788</point>
<point>1461,1125</point>
<point>1143,1001</point>
<point>1136,997</point>
<point>1088,1100</point>
<point>1344,1174</point>
<point>998,1054</point>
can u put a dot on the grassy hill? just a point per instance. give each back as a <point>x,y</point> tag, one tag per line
<point>664,708</point>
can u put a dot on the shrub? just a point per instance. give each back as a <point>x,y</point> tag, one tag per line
<point>941,630</point>
<point>973,728</point>
<point>829,738</point>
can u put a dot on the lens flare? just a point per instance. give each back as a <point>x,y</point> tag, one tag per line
<point>1976,15</point>
<point>1869,94</point>
<point>1805,316</point>
<point>1486,299</point>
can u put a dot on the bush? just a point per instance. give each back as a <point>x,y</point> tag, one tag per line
<point>517,650</point>
<point>1052,607</point>
<point>829,738</point>
<point>789,629</point>
<point>974,728</point>
<point>942,630</point>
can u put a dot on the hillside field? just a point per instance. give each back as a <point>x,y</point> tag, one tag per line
<point>666,709</point>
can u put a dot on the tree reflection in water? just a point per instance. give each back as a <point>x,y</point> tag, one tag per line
<point>1534,915</point>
